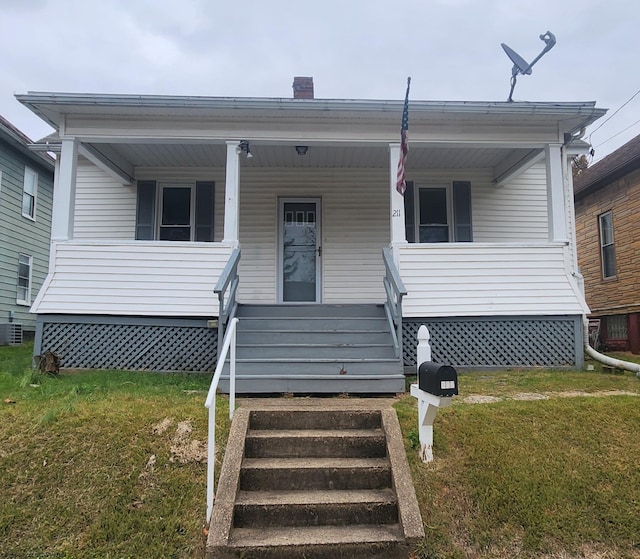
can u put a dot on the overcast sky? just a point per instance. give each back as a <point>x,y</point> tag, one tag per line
<point>362,49</point>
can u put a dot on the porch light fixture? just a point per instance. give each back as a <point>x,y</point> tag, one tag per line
<point>302,150</point>
<point>244,146</point>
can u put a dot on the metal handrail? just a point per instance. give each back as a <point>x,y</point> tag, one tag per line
<point>210,404</point>
<point>229,277</point>
<point>395,290</point>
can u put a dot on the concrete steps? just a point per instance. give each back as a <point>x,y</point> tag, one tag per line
<point>315,349</point>
<point>309,482</point>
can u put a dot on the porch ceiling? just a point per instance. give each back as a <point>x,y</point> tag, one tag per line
<point>318,156</point>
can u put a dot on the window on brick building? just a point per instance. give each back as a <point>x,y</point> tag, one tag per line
<point>607,246</point>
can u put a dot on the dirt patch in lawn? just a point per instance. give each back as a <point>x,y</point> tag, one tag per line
<point>184,449</point>
<point>532,396</point>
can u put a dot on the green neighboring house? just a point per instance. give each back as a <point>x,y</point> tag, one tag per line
<point>26,195</point>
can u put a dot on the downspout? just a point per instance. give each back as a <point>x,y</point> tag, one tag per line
<point>605,359</point>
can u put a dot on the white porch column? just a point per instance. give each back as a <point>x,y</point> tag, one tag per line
<point>555,194</point>
<point>64,192</point>
<point>232,195</point>
<point>398,233</point>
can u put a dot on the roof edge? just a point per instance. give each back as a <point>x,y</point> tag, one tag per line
<point>175,101</point>
<point>21,142</point>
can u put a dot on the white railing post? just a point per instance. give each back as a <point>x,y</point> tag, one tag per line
<point>211,458</point>
<point>423,352</point>
<point>210,404</point>
<point>232,375</point>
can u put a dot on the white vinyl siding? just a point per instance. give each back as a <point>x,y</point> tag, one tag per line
<point>145,278</point>
<point>471,279</point>
<point>355,228</point>
<point>105,208</point>
<point>515,212</point>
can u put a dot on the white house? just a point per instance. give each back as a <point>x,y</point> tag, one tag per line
<point>154,195</point>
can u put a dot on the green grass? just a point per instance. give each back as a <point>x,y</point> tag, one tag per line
<point>77,480</point>
<point>547,478</point>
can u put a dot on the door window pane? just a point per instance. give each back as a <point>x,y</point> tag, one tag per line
<point>299,252</point>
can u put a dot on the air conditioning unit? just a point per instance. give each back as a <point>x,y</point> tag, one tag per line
<point>10,333</point>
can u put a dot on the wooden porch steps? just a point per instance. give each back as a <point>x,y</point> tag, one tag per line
<point>306,349</point>
<point>319,479</point>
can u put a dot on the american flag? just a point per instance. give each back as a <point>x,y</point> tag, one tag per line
<point>401,185</point>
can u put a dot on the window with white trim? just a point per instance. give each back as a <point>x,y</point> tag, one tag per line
<point>175,211</point>
<point>29,193</point>
<point>607,246</point>
<point>438,212</point>
<point>25,265</point>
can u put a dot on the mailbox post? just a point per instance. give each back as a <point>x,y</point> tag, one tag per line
<point>437,384</point>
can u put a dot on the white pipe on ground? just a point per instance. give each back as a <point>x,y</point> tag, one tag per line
<point>605,359</point>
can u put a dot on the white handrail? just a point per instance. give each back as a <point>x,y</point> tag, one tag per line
<point>210,404</point>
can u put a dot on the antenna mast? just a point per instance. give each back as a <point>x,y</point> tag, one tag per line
<point>520,65</point>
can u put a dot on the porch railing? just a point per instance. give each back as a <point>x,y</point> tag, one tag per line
<point>210,404</point>
<point>395,290</point>
<point>228,280</point>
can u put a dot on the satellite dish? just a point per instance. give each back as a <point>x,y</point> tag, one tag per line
<point>520,65</point>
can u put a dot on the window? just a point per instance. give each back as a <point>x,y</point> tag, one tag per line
<point>438,213</point>
<point>607,247</point>
<point>184,211</point>
<point>617,327</point>
<point>176,217</point>
<point>29,193</point>
<point>24,279</point>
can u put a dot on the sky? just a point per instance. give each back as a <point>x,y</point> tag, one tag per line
<point>353,49</point>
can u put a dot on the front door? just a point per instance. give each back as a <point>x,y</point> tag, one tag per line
<point>299,250</point>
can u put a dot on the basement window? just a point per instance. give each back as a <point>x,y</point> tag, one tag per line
<point>617,327</point>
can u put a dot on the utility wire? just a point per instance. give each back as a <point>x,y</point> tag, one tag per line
<point>614,114</point>
<point>617,134</point>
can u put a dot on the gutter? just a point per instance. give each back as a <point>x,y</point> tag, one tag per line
<point>32,99</point>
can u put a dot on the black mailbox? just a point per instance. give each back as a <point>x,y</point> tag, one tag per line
<point>438,379</point>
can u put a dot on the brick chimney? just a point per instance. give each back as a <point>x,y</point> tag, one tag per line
<point>302,88</point>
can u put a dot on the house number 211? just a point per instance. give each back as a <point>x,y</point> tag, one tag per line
<point>396,213</point>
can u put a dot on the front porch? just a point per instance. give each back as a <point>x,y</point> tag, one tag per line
<point>148,210</point>
<point>129,313</point>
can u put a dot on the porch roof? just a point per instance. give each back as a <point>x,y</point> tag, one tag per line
<point>53,107</point>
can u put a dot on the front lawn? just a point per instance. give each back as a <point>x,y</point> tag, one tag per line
<point>110,464</point>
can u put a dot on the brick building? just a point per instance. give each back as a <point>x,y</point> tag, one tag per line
<point>607,206</point>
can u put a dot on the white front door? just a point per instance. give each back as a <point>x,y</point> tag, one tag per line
<point>299,250</point>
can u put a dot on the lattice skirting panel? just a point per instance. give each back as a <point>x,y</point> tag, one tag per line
<point>499,342</point>
<point>162,344</point>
